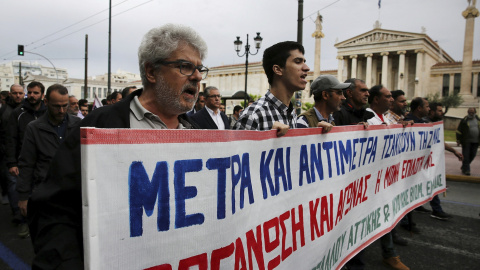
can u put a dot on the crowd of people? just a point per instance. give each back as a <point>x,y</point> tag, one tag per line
<point>40,138</point>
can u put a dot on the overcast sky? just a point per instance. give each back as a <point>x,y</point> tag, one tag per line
<point>40,26</point>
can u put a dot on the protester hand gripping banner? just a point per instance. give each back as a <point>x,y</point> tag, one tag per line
<point>209,199</point>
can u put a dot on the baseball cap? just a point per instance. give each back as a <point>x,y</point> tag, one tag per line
<point>326,82</point>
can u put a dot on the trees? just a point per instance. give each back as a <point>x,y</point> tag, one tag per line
<point>450,101</point>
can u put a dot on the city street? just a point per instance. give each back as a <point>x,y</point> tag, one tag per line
<point>452,244</point>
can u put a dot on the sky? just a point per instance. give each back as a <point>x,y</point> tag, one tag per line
<point>56,29</point>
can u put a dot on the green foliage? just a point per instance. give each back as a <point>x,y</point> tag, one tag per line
<point>450,101</point>
<point>307,106</point>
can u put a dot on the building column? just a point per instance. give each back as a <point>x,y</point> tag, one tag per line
<point>384,68</point>
<point>418,73</point>
<point>401,69</point>
<point>318,35</point>
<point>475,84</point>
<point>340,68</point>
<point>466,81</point>
<point>450,84</point>
<point>368,75</point>
<point>354,65</point>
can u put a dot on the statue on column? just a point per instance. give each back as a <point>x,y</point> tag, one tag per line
<point>318,31</point>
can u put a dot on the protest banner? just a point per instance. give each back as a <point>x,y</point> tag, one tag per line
<point>209,199</point>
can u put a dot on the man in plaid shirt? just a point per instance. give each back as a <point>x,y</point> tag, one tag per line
<point>284,65</point>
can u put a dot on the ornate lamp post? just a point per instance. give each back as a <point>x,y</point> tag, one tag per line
<point>238,46</point>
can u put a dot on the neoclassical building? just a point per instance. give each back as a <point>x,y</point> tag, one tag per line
<point>412,62</point>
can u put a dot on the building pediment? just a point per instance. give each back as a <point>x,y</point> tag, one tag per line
<point>379,36</point>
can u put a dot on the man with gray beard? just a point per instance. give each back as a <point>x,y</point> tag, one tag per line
<point>170,60</point>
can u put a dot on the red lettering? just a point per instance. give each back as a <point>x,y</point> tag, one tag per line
<point>271,245</point>
<point>288,251</point>
<point>240,256</point>
<point>314,228</point>
<point>221,253</point>
<point>160,267</point>
<point>298,227</point>
<point>358,199</point>
<point>364,198</point>
<point>201,260</point>
<point>325,217</point>
<point>256,246</point>
<point>379,177</point>
<point>340,208</point>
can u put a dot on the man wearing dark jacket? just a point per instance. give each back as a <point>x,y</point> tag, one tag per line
<point>41,140</point>
<point>468,136</point>
<point>171,78</point>
<point>32,108</point>
<point>210,117</point>
<point>353,109</point>
<point>13,101</point>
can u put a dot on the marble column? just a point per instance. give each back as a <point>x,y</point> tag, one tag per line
<point>384,68</point>
<point>475,84</point>
<point>340,68</point>
<point>318,35</point>
<point>401,69</point>
<point>354,66</point>
<point>368,75</point>
<point>466,81</point>
<point>418,73</point>
<point>451,84</point>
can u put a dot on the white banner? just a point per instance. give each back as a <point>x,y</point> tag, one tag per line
<point>209,199</point>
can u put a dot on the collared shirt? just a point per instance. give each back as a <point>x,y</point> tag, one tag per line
<point>376,120</point>
<point>60,129</point>
<point>144,119</point>
<point>264,112</point>
<point>303,123</point>
<point>217,118</point>
<point>392,118</point>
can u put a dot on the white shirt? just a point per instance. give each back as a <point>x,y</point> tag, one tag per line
<point>374,120</point>
<point>217,118</point>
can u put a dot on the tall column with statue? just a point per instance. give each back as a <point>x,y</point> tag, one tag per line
<point>318,35</point>
<point>466,81</point>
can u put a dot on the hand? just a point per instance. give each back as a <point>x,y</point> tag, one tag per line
<point>281,128</point>
<point>13,171</point>
<point>326,126</point>
<point>365,124</point>
<point>459,156</point>
<point>406,123</point>
<point>23,207</point>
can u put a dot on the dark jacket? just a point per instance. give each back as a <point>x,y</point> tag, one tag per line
<point>348,115</point>
<point>205,121</point>
<point>55,208</point>
<point>17,124</point>
<point>5,113</point>
<point>39,146</point>
<point>463,129</point>
<point>415,119</point>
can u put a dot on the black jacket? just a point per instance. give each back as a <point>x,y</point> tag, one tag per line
<point>39,146</point>
<point>17,124</point>
<point>5,112</point>
<point>55,207</point>
<point>348,115</point>
<point>205,121</point>
<point>463,130</point>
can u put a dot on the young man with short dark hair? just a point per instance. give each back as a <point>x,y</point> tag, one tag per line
<point>286,70</point>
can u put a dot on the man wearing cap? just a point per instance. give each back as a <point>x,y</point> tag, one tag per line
<point>328,95</point>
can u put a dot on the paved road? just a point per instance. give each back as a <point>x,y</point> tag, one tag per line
<point>453,244</point>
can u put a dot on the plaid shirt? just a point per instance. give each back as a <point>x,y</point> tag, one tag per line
<point>392,118</point>
<point>264,112</point>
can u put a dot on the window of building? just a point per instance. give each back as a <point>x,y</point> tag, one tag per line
<point>478,84</point>
<point>105,92</point>
<point>83,92</point>
<point>446,83</point>
<point>88,92</point>
<point>456,83</point>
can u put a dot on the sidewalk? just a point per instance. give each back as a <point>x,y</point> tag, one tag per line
<point>452,166</point>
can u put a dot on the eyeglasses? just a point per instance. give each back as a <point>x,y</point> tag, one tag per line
<point>187,68</point>
<point>214,96</point>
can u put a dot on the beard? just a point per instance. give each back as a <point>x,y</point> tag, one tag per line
<point>172,99</point>
<point>34,102</point>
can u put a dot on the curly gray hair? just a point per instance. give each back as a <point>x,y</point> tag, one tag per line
<point>158,43</point>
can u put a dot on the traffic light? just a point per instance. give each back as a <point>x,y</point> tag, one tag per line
<point>20,50</point>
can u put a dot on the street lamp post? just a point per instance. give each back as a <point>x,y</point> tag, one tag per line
<point>238,46</point>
